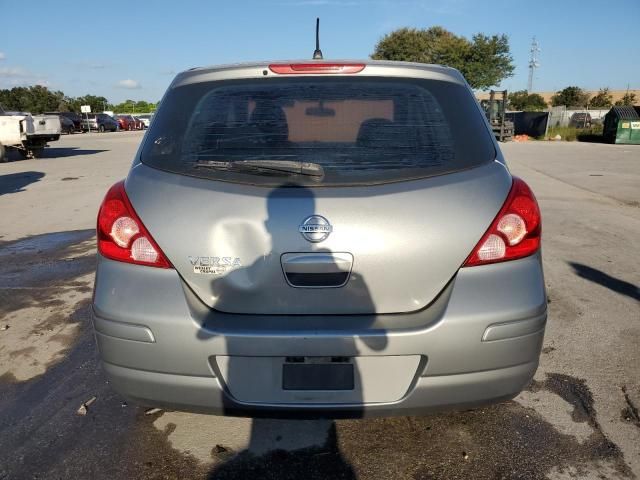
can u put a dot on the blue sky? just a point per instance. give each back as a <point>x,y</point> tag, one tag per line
<point>133,49</point>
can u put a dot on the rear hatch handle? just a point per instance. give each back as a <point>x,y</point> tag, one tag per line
<point>317,269</point>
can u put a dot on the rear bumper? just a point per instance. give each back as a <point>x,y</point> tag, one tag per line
<point>428,395</point>
<point>478,343</point>
<point>41,138</point>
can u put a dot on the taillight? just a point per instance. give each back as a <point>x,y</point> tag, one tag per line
<point>316,68</point>
<point>515,232</point>
<point>121,234</point>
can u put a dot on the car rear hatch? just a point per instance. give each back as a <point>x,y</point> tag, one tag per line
<point>316,195</point>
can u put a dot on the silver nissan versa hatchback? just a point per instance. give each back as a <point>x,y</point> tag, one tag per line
<point>323,239</point>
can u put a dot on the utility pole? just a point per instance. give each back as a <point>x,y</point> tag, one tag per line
<point>533,63</point>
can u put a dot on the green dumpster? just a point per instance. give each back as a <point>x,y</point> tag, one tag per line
<point>622,125</point>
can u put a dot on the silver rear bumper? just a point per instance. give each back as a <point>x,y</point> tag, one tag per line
<point>428,395</point>
<point>479,342</point>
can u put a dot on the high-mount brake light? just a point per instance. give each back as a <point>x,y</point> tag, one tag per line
<point>515,232</point>
<point>316,68</point>
<point>121,234</point>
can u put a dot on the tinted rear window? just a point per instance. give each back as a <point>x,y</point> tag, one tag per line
<point>353,130</point>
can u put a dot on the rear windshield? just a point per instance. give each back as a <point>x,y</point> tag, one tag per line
<point>318,131</point>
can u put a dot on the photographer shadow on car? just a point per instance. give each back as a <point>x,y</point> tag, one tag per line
<point>312,359</point>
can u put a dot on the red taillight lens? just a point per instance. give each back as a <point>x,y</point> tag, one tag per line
<point>515,232</point>
<point>316,68</point>
<point>121,234</point>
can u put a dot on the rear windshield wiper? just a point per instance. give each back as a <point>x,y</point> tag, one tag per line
<point>256,166</point>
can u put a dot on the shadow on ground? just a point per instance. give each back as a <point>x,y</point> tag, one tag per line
<point>500,441</point>
<point>597,276</point>
<point>61,152</point>
<point>16,182</point>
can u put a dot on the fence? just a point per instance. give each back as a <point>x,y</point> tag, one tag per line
<point>560,116</point>
<point>534,124</point>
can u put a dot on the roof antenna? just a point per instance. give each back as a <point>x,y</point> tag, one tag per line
<point>317,54</point>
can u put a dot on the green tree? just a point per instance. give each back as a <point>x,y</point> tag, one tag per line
<point>602,100</point>
<point>35,99</point>
<point>570,97</point>
<point>5,98</point>
<point>97,103</point>
<point>38,99</point>
<point>522,100</point>
<point>484,60</point>
<point>131,106</point>
<point>489,61</point>
<point>68,104</point>
<point>628,98</point>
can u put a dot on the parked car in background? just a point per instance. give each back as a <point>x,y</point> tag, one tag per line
<point>76,118</point>
<point>126,122</point>
<point>146,119</point>
<point>66,125</point>
<point>100,122</point>
<point>580,120</point>
<point>139,124</point>
<point>114,117</point>
<point>324,239</point>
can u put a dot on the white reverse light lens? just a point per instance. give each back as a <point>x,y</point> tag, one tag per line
<point>513,227</point>
<point>143,251</point>
<point>123,229</point>
<point>492,249</point>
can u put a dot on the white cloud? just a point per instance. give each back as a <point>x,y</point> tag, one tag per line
<point>20,77</point>
<point>2,56</point>
<point>15,77</point>
<point>23,82</point>
<point>129,84</point>
<point>13,72</point>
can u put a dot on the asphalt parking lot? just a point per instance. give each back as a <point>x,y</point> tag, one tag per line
<point>578,419</point>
